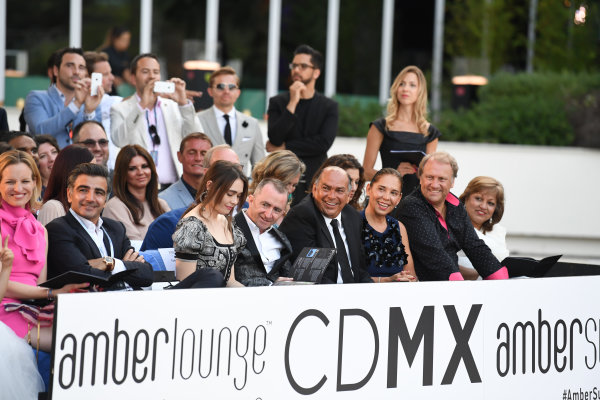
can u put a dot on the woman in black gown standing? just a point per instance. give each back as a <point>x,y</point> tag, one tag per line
<point>405,128</point>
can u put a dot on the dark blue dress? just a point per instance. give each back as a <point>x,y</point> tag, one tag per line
<point>384,250</point>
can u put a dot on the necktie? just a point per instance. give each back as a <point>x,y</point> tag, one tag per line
<point>227,132</point>
<point>342,257</point>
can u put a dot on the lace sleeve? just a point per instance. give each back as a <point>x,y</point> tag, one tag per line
<point>189,236</point>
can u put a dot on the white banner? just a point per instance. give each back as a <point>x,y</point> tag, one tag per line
<point>518,339</point>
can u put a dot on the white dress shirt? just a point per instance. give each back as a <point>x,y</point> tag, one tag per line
<point>267,244</point>
<point>221,122</point>
<point>165,165</point>
<point>343,235</point>
<point>97,234</point>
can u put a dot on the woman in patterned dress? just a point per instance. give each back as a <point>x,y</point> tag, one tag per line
<point>385,238</point>
<point>206,237</point>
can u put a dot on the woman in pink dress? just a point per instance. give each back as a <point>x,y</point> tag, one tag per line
<point>20,185</point>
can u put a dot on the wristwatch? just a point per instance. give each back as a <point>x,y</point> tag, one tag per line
<point>109,262</point>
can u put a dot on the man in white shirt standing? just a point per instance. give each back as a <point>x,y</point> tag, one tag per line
<point>156,121</point>
<point>266,257</point>
<point>225,125</point>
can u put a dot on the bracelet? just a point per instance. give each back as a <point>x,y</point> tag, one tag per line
<point>49,295</point>
<point>379,280</point>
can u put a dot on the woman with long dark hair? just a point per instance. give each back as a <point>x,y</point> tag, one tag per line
<point>135,190</point>
<point>205,236</point>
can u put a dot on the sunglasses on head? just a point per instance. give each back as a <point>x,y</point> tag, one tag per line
<point>223,86</point>
<point>154,135</point>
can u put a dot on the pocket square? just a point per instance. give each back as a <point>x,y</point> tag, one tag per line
<point>246,138</point>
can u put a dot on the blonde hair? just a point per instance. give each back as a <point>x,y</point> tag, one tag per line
<point>441,157</point>
<point>14,157</point>
<point>282,165</point>
<point>420,108</point>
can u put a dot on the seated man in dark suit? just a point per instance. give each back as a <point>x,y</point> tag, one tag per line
<point>160,232</point>
<point>438,226</point>
<point>266,257</point>
<point>83,241</point>
<point>324,219</point>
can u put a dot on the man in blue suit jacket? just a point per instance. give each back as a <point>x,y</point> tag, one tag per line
<point>67,102</point>
<point>191,154</point>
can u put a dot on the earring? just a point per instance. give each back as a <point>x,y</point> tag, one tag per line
<point>490,220</point>
<point>202,196</point>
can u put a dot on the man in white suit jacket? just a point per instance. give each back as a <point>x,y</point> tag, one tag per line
<point>156,121</point>
<point>243,133</point>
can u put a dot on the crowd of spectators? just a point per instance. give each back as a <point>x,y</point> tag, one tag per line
<point>236,211</point>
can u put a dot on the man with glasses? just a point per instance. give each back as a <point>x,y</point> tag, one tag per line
<point>98,62</point>
<point>156,121</point>
<point>225,125</point>
<point>91,134</point>
<point>303,120</point>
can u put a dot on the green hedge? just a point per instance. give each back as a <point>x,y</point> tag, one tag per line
<point>355,114</point>
<point>522,109</point>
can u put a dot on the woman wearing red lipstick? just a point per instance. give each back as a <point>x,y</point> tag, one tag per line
<point>135,189</point>
<point>385,238</point>
<point>404,129</point>
<point>206,237</point>
<point>484,201</point>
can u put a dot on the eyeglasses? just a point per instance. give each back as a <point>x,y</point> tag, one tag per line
<point>154,134</point>
<point>223,86</point>
<point>93,143</point>
<point>301,66</point>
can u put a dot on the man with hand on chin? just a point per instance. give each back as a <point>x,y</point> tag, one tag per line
<point>156,121</point>
<point>67,102</point>
<point>83,241</point>
<point>438,226</point>
<point>303,120</point>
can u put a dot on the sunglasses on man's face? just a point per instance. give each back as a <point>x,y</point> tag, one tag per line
<point>223,86</point>
<point>93,143</point>
<point>154,135</point>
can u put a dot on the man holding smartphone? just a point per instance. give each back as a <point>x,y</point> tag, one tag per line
<point>157,121</point>
<point>67,102</point>
<point>97,63</point>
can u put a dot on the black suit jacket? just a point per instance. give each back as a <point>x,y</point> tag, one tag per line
<point>249,268</point>
<point>3,120</point>
<point>70,246</point>
<point>305,227</point>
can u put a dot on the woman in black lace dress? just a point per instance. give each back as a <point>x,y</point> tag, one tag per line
<point>206,237</point>
<point>385,238</point>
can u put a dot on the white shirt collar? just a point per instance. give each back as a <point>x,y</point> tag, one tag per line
<point>89,225</point>
<point>252,225</point>
<point>219,113</point>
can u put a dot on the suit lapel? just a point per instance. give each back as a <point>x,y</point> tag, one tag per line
<point>239,133</point>
<point>353,247</point>
<point>83,234</point>
<point>214,126</point>
<point>243,225</point>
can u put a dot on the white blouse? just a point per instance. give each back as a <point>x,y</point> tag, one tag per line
<point>494,239</point>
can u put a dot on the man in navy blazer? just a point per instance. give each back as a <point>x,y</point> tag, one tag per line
<point>266,257</point>
<point>309,224</point>
<point>67,102</point>
<point>225,125</point>
<point>83,241</point>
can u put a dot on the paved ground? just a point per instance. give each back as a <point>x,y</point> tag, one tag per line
<point>552,193</point>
